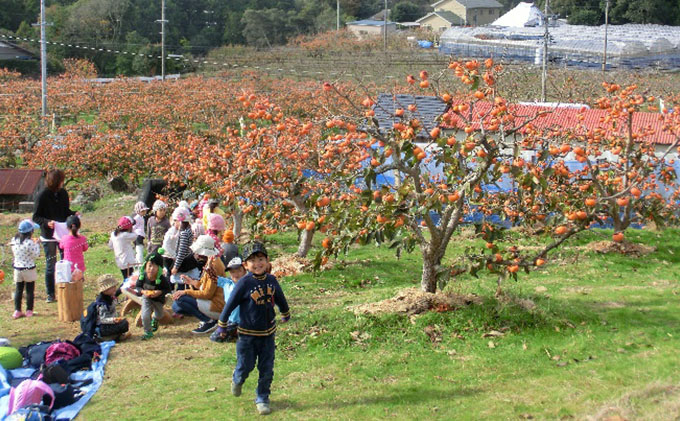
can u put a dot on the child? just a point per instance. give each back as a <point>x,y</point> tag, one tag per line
<point>255,295</point>
<point>228,323</point>
<point>169,246</point>
<point>74,244</point>
<point>211,208</point>
<point>153,286</point>
<point>140,229</point>
<point>25,250</point>
<point>229,249</point>
<point>184,264</point>
<point>215,227</point>
<point>157,226</point>
<point>121,242</point>
<point>108,323</point>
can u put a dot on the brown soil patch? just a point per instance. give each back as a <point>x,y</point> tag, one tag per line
<point>414,301</point>
<point>7,219</point>
<point>289,265</point>
<point>626,248</point>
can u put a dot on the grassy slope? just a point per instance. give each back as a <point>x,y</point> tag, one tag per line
<point>612,320</point>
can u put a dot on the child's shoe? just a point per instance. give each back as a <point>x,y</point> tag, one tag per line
<point>17,314</point>
<point>236,388</point>
<point>154,324</point>
<point>29,313</point>
<point>147,336</point>
<point>263,408</point>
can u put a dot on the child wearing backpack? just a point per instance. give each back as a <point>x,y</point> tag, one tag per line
<point>228,323</point>
<point>74,244</point>
<point>25,250</point>
<point>255,295</point>
<point>152,285</point>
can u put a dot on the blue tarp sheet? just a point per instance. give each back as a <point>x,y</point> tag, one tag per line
<point>67,412</point>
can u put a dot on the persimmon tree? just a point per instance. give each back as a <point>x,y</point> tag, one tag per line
<point>443,181</point>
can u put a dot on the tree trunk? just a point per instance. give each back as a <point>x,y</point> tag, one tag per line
<point>238,222</point>
<point>428,282</point>
<point>305,243</point>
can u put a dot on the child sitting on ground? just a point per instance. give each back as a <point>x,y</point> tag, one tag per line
<point>103,312</point>
<point>255,295</point>
<point>152,285</point>
<point>25,250</point>
<point>228,323</point>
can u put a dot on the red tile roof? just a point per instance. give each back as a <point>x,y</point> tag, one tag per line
<point>567,118</point>
<point>19,182</point>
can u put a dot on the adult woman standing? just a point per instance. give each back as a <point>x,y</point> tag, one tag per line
<point>52,205</point>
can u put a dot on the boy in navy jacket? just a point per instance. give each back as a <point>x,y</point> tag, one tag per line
<point>255,295</point>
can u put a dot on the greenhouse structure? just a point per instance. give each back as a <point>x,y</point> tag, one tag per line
<point>628,46</point>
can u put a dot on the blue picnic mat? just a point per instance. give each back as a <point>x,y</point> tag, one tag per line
<point>96,374</point>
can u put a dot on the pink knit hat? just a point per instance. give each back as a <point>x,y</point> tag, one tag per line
<point>216,222</point>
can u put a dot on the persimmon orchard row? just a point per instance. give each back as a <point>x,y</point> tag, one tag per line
<point>307,156</point>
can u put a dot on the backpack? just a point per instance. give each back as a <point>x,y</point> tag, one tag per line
<point>61,351</point>
<point>31,413</point>
<point>34,354</point>
<point>54,373</point>
<point>88,323</point>
<point>30,392</point>
<point>64,394</point>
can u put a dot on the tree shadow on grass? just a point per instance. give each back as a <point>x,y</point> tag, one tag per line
<point>392,397</point>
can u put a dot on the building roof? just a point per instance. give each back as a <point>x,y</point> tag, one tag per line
<point>428,110</point>
<point>524,14</point>
<point>10,51</point>
<point>447,15</point>
<point>19,182</point>
<point>474,4</point>
<point>368,22</point>
<point>569,117</point>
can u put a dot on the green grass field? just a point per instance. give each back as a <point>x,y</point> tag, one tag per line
<point>590,336</point>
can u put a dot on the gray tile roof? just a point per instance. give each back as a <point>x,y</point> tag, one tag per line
<point>450,17</point>
<point>428,110</point>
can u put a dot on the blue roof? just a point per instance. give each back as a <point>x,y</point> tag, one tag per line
<point>428,110</point>
<point>368,22</point>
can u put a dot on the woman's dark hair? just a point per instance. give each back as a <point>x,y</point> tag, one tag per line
<point>21,236</point>
<point>184,225</point>
<point>53,180</point>
<point>73,224</point>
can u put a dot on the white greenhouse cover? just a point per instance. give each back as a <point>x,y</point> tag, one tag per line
<point>524,14</point>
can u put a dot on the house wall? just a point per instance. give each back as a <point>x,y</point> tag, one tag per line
<point>363,31</point>
<point>453,6</point>
<point>474,17</point>
<point>479,17</point>
<point>435,23</point>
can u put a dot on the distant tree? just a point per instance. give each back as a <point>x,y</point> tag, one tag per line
<point>585,17</point>
<point>644,11</point>
<point>265,28</point>
<point>405,11</point>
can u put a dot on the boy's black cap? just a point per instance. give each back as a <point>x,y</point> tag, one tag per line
<point>253,248</point>
<point>156,257</point>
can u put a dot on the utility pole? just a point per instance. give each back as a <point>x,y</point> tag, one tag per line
<point>385,28</point>
<point>606,28</point>
<point>43,58</point>
<point>337,8</point>
<point>162,21</point>
<point>546,37</point>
